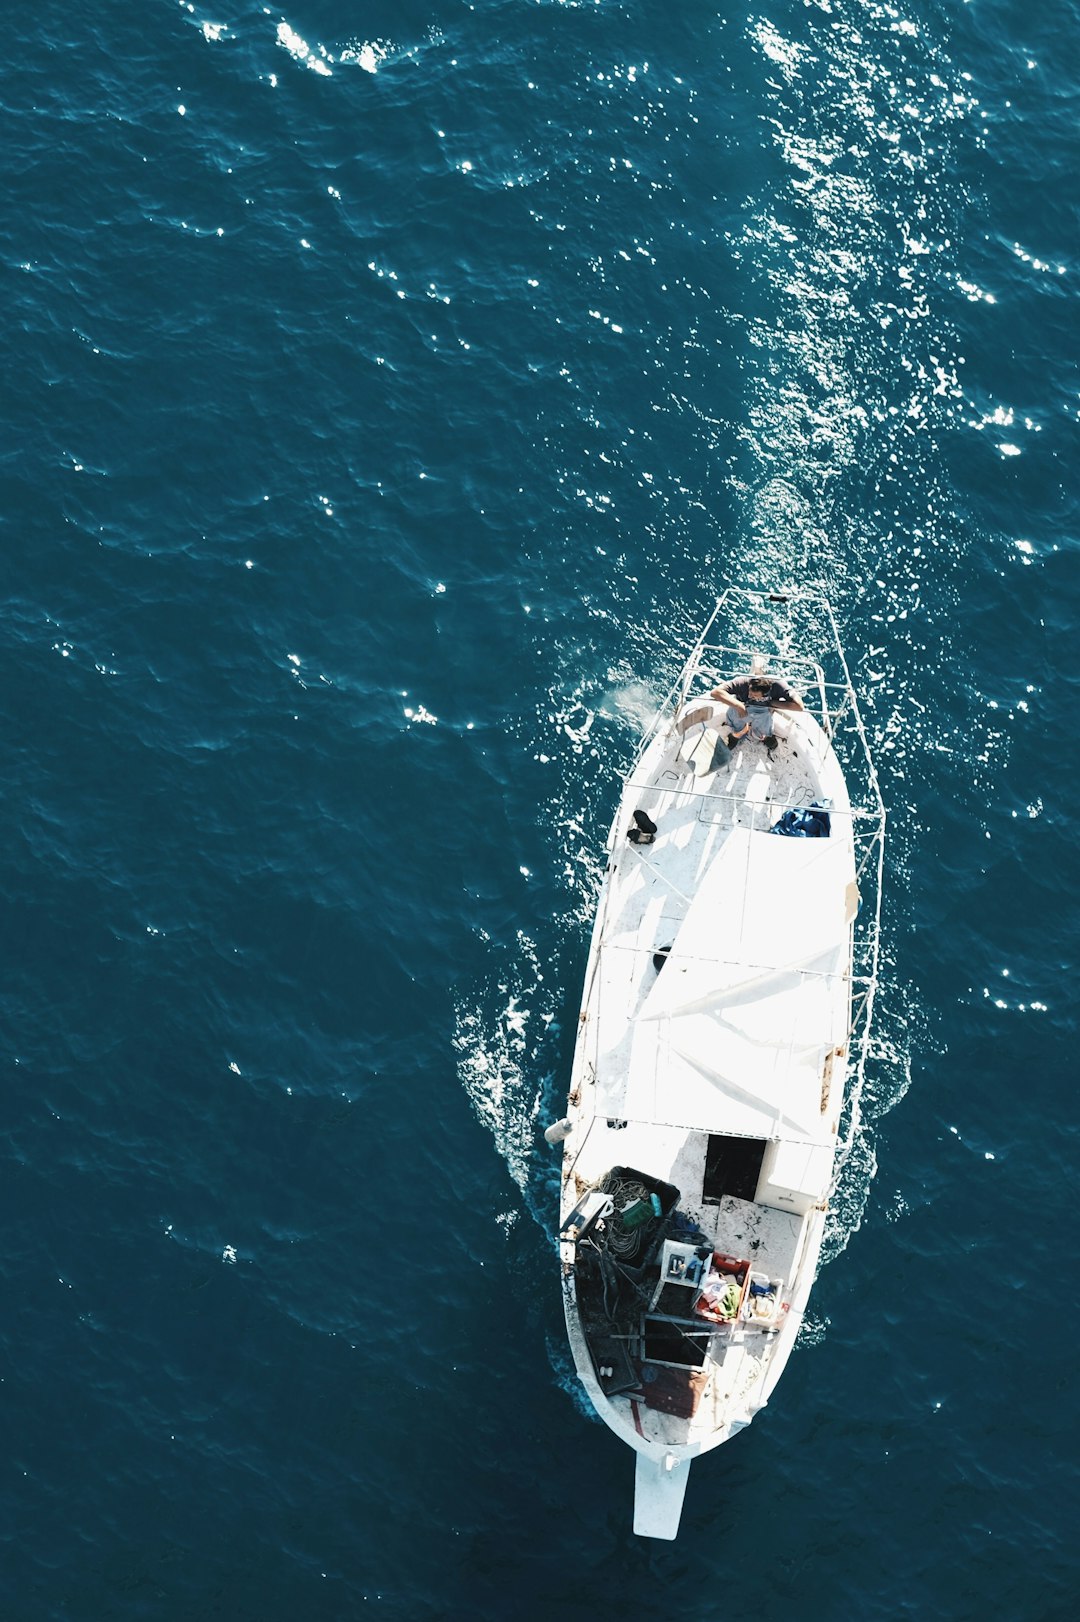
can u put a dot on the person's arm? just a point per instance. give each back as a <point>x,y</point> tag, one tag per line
<point>788,703</point>
<point>726,696</point>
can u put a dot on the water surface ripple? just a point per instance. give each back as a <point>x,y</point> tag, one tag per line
<point>387,399</point>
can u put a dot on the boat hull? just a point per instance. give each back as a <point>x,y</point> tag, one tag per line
<point>708,1081</point>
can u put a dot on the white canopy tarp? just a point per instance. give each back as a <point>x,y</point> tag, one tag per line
<point>734,1033</point>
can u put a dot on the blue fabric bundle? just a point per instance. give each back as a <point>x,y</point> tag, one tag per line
<point>811,822</point>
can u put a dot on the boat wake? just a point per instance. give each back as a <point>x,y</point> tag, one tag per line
<point>500,1060</point>
<point>566,1376</point>
<point>856,383</point>
<point>852,381</point>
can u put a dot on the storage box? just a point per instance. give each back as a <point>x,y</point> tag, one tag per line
<point>763,1300</point>
<point>795,1176</point>
<point>612,1363</point>
<point>730,1264</point>
<point>681,1266</point>
<point>723,1267</point>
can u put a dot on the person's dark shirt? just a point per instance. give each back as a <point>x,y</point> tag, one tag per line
<point>777,694</point>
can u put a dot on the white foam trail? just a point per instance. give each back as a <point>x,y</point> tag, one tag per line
<point>858,372</point>
<point>567,1379</point>
<point>366,54</point>
<point>495,1059</point>
<point>852,371</point>
<point>318,60</point>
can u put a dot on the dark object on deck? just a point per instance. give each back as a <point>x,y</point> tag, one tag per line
<point>633,1243</point>
<point>660,958</point>
<point>675,1301</point>
<point>732,1166</point>
<point>667,1193</point>
<point>685,1228</point>
<point>810,822</point>
<point>646,824</point>
<point>613,1366</point>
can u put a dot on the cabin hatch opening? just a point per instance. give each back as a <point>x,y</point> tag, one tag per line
<point>732,1166</point>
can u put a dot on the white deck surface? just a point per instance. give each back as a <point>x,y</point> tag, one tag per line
<point>733,1034</point>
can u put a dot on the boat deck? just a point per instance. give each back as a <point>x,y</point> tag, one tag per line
<point>699,794</point>
<point>709,805</point>
<point>696,792</point>
<point>770,1240</point>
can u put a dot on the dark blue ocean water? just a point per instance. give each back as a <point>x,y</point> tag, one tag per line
<point>388,390</point>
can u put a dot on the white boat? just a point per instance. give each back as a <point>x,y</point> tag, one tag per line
<point>720,1048</point>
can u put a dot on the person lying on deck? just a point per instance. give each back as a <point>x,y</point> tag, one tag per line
<point>751,701</point>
